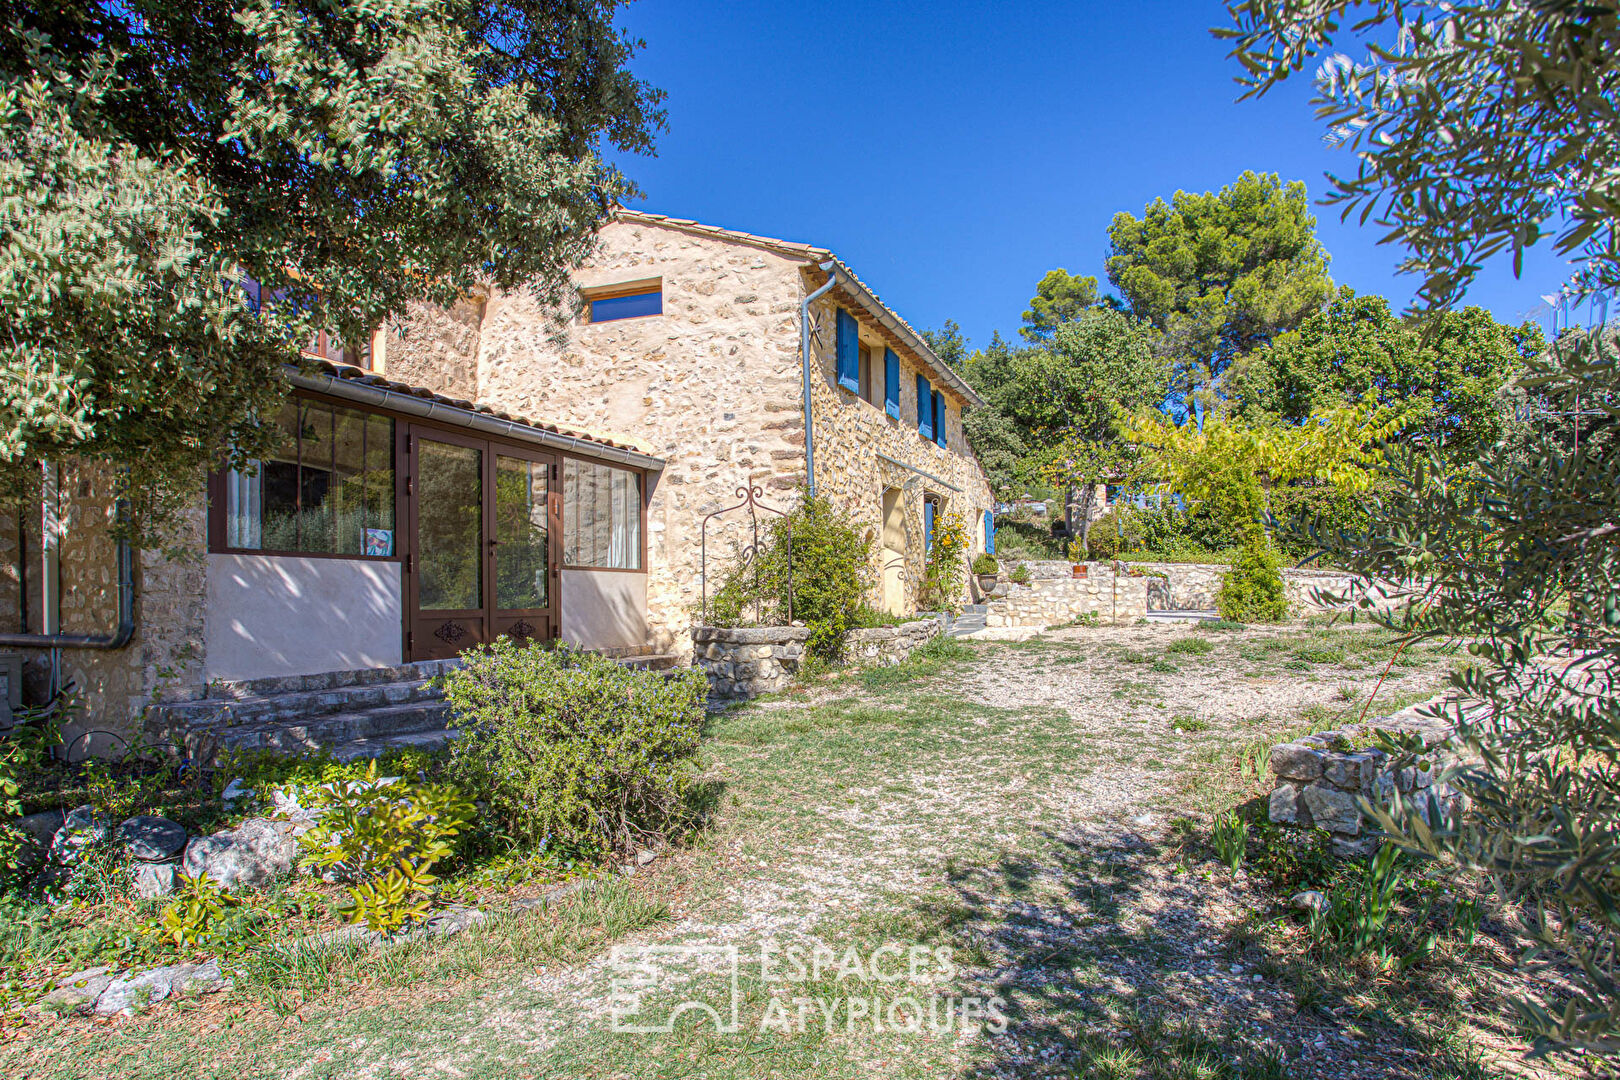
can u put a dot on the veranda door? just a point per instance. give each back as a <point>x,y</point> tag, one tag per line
<point>483,535</point>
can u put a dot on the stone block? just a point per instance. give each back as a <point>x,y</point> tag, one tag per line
<point>152,880</point>
<point>1296,761</point>
<point>1331,809</point>
<point>1285,807</point>
<point>149,838</point>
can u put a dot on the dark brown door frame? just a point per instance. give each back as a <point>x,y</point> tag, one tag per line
<point>462,629</point>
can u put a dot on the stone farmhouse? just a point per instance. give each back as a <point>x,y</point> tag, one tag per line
<point>416,509</point>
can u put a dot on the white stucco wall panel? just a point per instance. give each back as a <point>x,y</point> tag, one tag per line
<point>271,615</point>
<point>604,609</point>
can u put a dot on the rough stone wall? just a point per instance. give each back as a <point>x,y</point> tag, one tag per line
<point>849,434</point>
<point>164,661</point>
<point>1054,595</point>
<point>1049,600</point>
<point>436,347</point>
<point>1322,778</point>
<point>744,662</point>
<point>711,385</point>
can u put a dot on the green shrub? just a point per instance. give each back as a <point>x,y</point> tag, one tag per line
<point>194,916</point>
<point>1020,575</point>
<point>1253,590</point>
<point>942,577</point>
<point>386,838</point>
<point>572,746</point>
<point>830,560</point>
<point>1191,646</point>
<point>986,563</point>
<point>1189,724</point>
<point>1113,534</point>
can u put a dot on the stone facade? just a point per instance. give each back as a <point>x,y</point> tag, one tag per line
<point>744,662</point>
<point>714,385</point>
<point>164,660</point>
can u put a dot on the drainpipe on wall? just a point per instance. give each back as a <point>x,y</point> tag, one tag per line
<point>831,270</point>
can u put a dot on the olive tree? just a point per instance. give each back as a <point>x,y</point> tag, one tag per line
<point>1482,129</point>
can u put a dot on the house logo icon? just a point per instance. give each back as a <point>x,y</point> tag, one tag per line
<point>653,986</point>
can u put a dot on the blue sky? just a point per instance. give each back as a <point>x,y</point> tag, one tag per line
<point>954,152</point>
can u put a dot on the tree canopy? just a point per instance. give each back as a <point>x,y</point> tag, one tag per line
<point>1060,297</point>
<point>1477,129</point>
<point>1221,273</point>
<point>1447,374</point>
<point>349,157</point>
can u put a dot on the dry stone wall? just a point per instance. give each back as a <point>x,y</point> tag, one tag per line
<point>744,662</point>
<point>1321,779</point>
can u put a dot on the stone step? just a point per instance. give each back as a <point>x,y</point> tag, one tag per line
<point>651,661</point>
<point>410,740</point>
<point>313,733</point>
<point>975,609</point>
<point>328,680</point>
<point>227,712</point>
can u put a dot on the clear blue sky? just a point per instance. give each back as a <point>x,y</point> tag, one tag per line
<point>954,152</point>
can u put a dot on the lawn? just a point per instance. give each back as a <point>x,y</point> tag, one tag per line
<point>1039,809</point>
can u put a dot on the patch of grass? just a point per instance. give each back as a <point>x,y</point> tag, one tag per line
<point>1189,723</point>
<point>1191,646</point>
<point>1220,624</point>
<point>1133,656</point>
<point>1163,665</point>
<point>928,659</point>
<point>1320,655</point>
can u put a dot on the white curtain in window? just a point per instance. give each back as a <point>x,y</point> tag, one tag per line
<point>242,508</point>
<point>601,516</point>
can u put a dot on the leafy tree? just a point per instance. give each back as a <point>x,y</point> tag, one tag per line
<point>1060,297</point>
<point>1221,273</point>
<point>1478,128</point>
<point>948,344</point>
<point>1448,373</point>
<point>349,157</point>
<point>1482,128</point>
<point>1063,399</point>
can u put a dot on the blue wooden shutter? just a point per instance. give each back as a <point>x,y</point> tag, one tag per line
<point>891,383</point>
<point>849,352</point>
<point>939,418</point>
<point>928,525</point>
<point>989,532</point>
<point>925,407</point>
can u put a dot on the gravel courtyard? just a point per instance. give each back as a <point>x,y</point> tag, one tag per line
<point>1040,809</point>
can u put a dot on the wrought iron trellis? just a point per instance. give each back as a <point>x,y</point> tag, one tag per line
<point>750,495</point>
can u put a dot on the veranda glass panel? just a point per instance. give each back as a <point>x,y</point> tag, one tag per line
<point>601,516</point>
<point>450,527</point>
<point>522,557</point>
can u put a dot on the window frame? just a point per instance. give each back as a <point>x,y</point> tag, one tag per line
<point>563,565</point>
<point>640,287</point>
<point>216,494</point>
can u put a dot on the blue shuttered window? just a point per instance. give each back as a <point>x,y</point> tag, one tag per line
<point>989,532</point>
<point>939,418</point>
<point>928,525</point>
<point>891,383</point>
<point>849,352</point>
<point>925,407</point>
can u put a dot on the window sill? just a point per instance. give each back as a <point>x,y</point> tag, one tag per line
<point>304,555</point>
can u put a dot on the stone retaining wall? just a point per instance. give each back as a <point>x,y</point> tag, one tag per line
<point>1054,595</point>
<point>1321,778</point>
<point>743,662</point>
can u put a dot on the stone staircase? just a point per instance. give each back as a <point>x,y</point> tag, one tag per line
<point>970,621</point>
<point>351,714</point>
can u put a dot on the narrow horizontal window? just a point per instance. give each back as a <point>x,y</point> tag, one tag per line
<point>601,516</point>
<point>625,302</point>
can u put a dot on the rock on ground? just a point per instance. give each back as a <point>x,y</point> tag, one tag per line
<point>254,854</point>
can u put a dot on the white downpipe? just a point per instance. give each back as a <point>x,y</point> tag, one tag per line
<point>50,583</point>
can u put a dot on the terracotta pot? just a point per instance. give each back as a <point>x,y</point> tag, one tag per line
<point>1080,570</point>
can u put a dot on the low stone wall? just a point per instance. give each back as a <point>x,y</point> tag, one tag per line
<point>1321,778</point>
<point>1050,599</point>
<point>885,645</point>
<point>1054,595</point>
<point>743,662</point>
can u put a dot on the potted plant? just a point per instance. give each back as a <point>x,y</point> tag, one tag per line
<point>986,569</point>
<point>1077,556</point>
